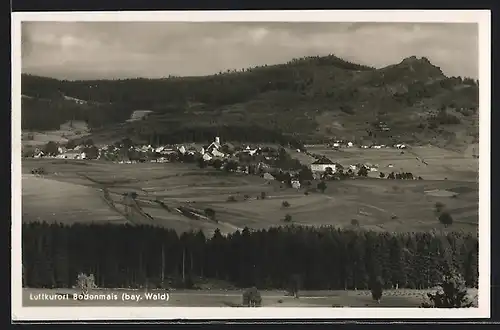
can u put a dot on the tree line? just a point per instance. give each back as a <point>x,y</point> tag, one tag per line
<point>50,114</point>
<point>276,258</point>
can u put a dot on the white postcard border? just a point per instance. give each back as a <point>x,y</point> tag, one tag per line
<point>481,17</point>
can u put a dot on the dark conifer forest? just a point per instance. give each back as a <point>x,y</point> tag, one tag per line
<point>323,258</point>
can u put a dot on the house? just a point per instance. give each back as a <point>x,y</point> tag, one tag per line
<point>214,145</point>
<point>73,155</point>
<point>207,157</point>
<point>322,164</point>
<point>268,176</point>
<point>182,149</point>
<point>349,144</point>
<point>250,151</point>
<point>215,148</point>
<point>295,184</point>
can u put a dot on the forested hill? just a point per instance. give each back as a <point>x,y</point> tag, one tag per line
<point>311,99</point>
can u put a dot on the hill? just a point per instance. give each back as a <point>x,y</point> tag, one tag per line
<point>309,100</point>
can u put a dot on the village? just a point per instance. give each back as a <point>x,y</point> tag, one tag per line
<point>270,162</point>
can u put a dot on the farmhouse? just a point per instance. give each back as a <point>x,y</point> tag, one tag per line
<point>322,164</point>
<point>72,155</point>
<point>214,148</point>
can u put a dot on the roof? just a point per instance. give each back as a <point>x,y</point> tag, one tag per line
<point>214,144</point>
<point>323,161</point>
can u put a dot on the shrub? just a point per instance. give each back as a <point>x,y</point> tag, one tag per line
<point>377,289</point>
<point>451,294</point>
<point>85,282</point>
<point>288,218</point>
<point>439,207</point>
<point>263,195</point>
<point>285,204</point>
<point>210,213</point>
<point>322,186</point>
<point>252,298</point>
<point>446,219</point>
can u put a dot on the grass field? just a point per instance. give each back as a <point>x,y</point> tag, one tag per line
<point>233,298</point>
<point>92,191</point>
<point>429,162</point>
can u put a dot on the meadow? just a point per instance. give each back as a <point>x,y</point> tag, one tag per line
<point>176,195</point>
<point>233,298</point>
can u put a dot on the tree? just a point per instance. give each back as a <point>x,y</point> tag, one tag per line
<point>328,171</point>
<point>263,195</point>
<point>321,186</point>
<point>71,144</point>
<point>452,294</point>
<point>252,298</point>
<point>51,148</point>
<point>295,284</point>
<point>201,163</point>
<point>446,219</point>
<point>363,171</point>
<point>285,204</point>
<point>91,152</point>
<point>377,289</point>
<point>382,175</point>
<point>217,163</point>
<point>85,282</point>
<point>288,218</point>
<point>231,166</point>
<point>305,174</point>
<point>439,207</point>
<point>127,143</point>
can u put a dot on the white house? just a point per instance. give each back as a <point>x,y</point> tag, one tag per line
<point>217,153</point>
<point>349,144</point>
<point>207,157</point>
<point>322,164</point>
<point>268,176</point>
<point>214,145</point>
<point>214,148</point>
<point>296,184</point>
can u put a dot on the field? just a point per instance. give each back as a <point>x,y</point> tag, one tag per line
<point>233,298</point>
<point>176,195</point>
<point>66,132</point>
<point>429,162</point>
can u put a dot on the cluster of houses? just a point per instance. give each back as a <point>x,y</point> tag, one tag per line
<point>120,154</point>
<point>244,159</point>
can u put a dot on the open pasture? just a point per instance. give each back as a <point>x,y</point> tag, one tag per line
<point>431,163</point>
<point>89,191</point>
<point>233,298</point>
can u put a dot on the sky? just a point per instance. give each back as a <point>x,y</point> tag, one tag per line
<point>111,50</point>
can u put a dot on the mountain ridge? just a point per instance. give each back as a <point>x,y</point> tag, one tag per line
<point>309,99</point>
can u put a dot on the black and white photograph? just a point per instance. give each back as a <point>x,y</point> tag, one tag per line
<point>291,165</point>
